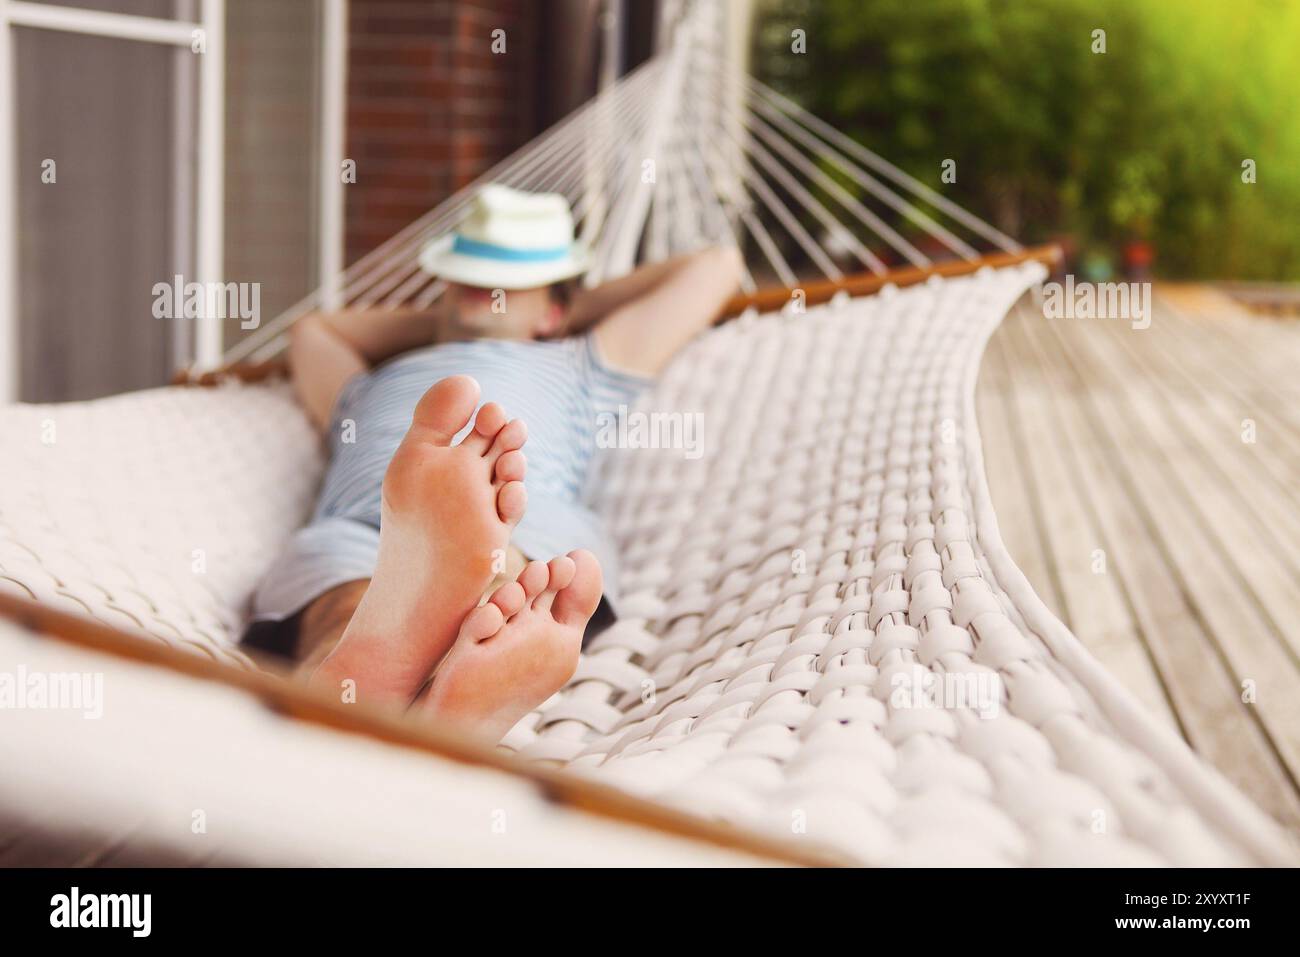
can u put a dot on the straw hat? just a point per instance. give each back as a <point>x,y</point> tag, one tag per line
<point>509,240</point>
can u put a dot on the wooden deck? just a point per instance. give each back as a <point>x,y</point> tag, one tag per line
<point>1169,545</point>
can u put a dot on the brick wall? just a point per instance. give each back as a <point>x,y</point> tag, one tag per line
<point>430,107</point>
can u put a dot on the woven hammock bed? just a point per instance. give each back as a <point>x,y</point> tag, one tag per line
<point>834,541</point>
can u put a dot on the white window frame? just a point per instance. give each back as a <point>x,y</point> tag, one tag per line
<point>333,132</point>
<point>210,186</point>
<point>209,225</point>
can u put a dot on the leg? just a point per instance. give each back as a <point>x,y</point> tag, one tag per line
<point>322,623</point>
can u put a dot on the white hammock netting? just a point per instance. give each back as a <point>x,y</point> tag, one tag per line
<point>835,534</point>
<point>833,548</point>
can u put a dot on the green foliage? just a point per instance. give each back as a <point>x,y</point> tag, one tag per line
<point>1144,141</point>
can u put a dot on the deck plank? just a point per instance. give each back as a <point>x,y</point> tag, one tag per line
<point>1240,627</point>
<point>1134,441</point>
<point>1229,511</point>
<point>1103,620</point>
<point>1004,461</point>
<point>1200,415</point>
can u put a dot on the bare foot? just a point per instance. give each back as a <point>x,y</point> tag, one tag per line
<point>446,517</point>
<point>518,649</point>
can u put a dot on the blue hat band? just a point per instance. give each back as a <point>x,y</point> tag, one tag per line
<point>472,247</point>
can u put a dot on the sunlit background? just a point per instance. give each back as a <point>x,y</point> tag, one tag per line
<point>1129,156</point>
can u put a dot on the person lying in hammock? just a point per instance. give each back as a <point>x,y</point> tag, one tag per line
<point>425,506</point>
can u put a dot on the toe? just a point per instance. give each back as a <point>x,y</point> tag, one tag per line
<point>576,603</point>
<point>482,623</point>
<point>487,424</point>
<point>511,502</point>
<point>560,571</point>
<point>489,420</point>
<point>534,578</point>
<point>445,409</point>
<point>511,467</point>
<point>511,437</point>
<point>509,598</point>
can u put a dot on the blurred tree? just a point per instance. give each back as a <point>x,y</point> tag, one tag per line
<point>1142,142</point>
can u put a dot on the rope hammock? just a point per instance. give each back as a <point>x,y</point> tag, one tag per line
<point>682,153</point>
<point>834,543</point>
